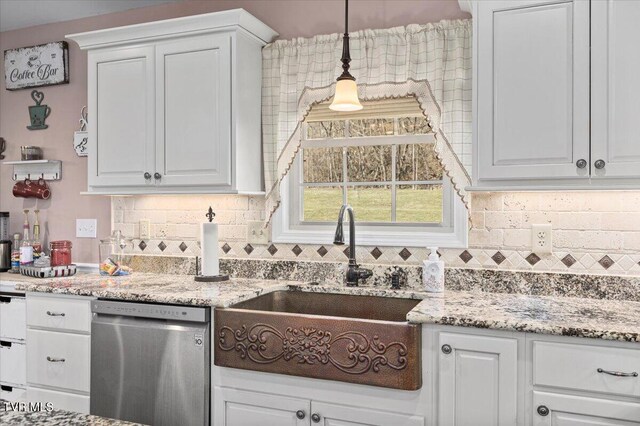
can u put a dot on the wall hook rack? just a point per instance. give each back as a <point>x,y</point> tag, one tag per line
<point>43,169</point>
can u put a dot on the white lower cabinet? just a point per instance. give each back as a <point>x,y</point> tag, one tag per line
<point>59,350</point>
<point>576,410</point>
<point>12,363</point>
<point>13,394</point>
<point>346,415</point>
<point>235,407</point>
<point>477,380</point>
<point>59,400</point>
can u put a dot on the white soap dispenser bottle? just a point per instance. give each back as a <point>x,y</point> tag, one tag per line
<point>433,272</point>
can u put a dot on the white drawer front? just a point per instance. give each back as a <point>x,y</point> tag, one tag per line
<point>576,367</point>
<point>61,360</point>
<point>59,400</point>
<point>12,317</point>
<point>13,363</point>
<point>59,313</point>
<point>12,394</point>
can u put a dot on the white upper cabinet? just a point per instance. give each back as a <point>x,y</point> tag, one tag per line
<point>546,110</point>
<point>193,95</point>
<point>532,89</point>
<point>615,89</point>
<point>176,105</point>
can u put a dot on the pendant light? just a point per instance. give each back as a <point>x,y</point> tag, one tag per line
<point>346,96</point>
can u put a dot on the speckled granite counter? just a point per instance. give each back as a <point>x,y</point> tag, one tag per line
<point>569,316</point>
<point>566,316</point>
<point>157,288</point>
<point>11,415</point>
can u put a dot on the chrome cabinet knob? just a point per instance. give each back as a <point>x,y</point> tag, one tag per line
<point>301,414</point>
<point>147,175</point>
<point>543,410</point>
<point>446,349</point>
<point>157,175</point>
<point>599,164</point>
<point>315,417</point>
<point>581,163</point>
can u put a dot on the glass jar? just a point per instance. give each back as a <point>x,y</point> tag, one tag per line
<point>116,255</point>
<point>60,253</point>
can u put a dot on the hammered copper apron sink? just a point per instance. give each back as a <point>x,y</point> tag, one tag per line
<point>357,339</point>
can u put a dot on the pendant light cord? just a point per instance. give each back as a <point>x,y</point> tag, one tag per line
<point>346,55</point>
<point>346,16</point>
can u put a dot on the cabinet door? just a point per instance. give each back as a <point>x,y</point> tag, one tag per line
<point>532,93</point>
<point>477,380</point>
<point>615,99</point>
<point>342,415</point>
<point>570,410</point>
<point>235,407</point>
<point>13,317</point>
<point>194,111</point>
<point>121,134</point>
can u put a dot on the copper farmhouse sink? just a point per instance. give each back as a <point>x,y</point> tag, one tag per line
<point>357,339</point>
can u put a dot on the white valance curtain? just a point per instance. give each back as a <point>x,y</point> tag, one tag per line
<point>431,62</point>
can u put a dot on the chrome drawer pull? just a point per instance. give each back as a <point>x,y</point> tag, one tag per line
<point>55,359</point>
<point>618,373</point>
<point>55,314</point>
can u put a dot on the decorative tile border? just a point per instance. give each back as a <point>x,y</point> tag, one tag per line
<point>513,260</point>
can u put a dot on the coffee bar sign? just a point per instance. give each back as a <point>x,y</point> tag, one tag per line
<point>36,66</point>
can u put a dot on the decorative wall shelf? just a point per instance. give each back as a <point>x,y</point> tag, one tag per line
<point>36,169</point>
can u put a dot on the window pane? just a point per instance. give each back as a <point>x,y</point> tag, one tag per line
<point>369,163</point>
<point>370,203</point>
<point>321,204</point>
<point>325,129</point>
<point>371,127</point>
<point>419,203</point>
<point>417,162</point>
<point>413,126</point>
<point>322,164</point>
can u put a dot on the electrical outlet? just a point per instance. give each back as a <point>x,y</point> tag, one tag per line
<point>86,228</point>
<point>258,234</point>
<point>541,239</point>
<point>145,229</point>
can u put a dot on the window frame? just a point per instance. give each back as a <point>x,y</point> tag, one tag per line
<point>287,227</point>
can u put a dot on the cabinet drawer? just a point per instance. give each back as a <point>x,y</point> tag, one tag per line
<point>577,367</point>
<point>61,360</point>
<point>59,313</point>
<point>12,394</point>
<point>12,317</point>
<point>551,409</point>
<point>12,363</point>
<point>59,400</point>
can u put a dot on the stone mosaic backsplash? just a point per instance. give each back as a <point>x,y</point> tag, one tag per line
<point>594,232</point>
<point>331,273</point>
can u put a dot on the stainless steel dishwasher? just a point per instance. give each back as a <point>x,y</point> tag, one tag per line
<point>150,363</point>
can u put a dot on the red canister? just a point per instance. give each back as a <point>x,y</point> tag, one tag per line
<point>60,253</point>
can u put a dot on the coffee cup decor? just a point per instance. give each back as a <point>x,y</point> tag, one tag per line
<point>81,137</point>
<point>38,113</point>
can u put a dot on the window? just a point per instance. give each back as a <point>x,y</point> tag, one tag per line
<point>385,167</point>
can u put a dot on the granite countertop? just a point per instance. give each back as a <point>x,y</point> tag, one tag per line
<point>157,288</point>
<point>15,414</point>
<point>569,316</point>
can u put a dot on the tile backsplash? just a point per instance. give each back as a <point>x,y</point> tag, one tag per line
<point>594,232</point>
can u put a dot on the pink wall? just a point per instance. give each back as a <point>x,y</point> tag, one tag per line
<point>291,18</point>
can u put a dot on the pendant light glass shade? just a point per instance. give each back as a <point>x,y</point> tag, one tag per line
<point>346,96</point>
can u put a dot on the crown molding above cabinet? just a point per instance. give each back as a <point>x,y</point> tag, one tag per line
<point>176,105</point>
<point>552,99</point>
